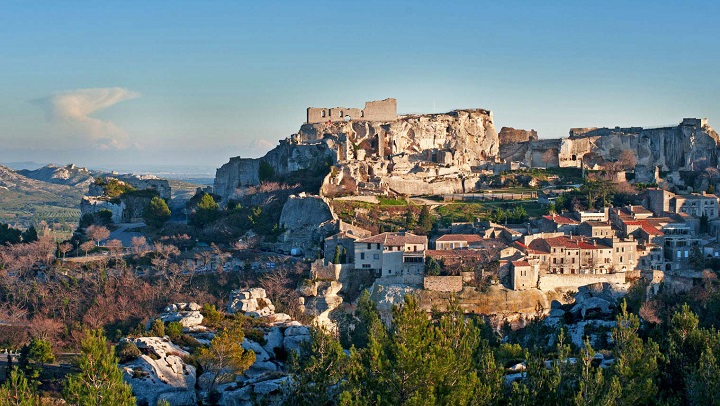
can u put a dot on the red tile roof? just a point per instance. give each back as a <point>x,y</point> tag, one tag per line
<point>560,219</point>
<point>395,239</point>
<point>460,237</point>
<point>650,229</point>
<point>520,263</point>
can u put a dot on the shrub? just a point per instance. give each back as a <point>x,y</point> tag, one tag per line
<point>256,335</point>
<point>174,329</point>
<point>126,351</point>
<point>157,328</point>
<point>212,317</point>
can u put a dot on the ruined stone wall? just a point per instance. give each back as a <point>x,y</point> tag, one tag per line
<point>380,110</point>
<point>443,283</point>
<point>509,135</point>
<point>91,205</point>
<point>573,282</point>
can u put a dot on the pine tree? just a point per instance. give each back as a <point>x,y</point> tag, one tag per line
<point>225,358</point>
<point>636,362</point>
<point>18,391</point>
<point>704,382</point>
<point>592,387</point>
<point>319,373</point>
<point>425,220</point>
<point>156,213</point>
<point>100,381</point>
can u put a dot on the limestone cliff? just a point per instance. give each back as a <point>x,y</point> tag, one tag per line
<point>689,146</point>
<point>288,157</point>
<point>412,154</point>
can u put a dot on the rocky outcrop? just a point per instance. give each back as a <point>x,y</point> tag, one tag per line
<point>187,314</point>
<point>253,302</point>
<point>233,178</point>
<point>160,372</point>
<point>306,221</point>
<point>509,135</point>
<point>69,175</point>
<point>691,145</point>
<point>402,155</point>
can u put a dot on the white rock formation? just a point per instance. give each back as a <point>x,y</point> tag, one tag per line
<point>253,302</point>
<point>160,372</point>
<point>188,314</point>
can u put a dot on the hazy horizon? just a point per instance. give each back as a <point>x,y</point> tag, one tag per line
<point>182,83</point>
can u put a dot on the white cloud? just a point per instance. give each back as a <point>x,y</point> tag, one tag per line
<point>71,111</point>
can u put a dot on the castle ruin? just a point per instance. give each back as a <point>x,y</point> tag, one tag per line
<point>380,110</point>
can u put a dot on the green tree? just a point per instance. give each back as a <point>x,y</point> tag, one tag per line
<point>157,328</point>
<point>225,358</point>
<point>425,221</point>
<point>636,362</point>
<point>266,172</point>
<point>432,267</point>
<point>9,235</point>
<point>205,212</point>
<point>704,223</point>
<point>30,235</point>
<point>174,330</point>
<point>592,386</point>
<point>704,382</point>
<point>34,356</point>
<point>100,381</point>
<point>156,213</point>
<point>18,391</point>
<point>319,372</point>
<point>338,254</point>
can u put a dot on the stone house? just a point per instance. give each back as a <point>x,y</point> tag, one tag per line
<point>457,241</point>
<point>596,229</point>
<point>579,255</point>
<point>523,275</point>
<point>392,254</point>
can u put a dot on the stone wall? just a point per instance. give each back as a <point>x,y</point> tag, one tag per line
<point>509,135</point>
<point>90,205</point>
<point>443,283</point>
<point>380,110</point>
<point>573,282</point>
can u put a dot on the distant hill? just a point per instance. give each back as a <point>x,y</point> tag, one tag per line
<point>69,175</point>
<point>24,200</point>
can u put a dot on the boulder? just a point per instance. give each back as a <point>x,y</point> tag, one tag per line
<point>294,337</point>
<point>260,354</point>
<point>186,318</point>
<point>253,302</point>
<point>273,339</point>
<point>160,373</point>
<point>593,307</point>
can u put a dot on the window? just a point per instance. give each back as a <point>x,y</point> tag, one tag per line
<point>362,255</point>
<point>376,256</point>
<point>686,254</point>
<point>323,113</point>
<point>366,266</point>
<point>378,245</point>
<point>369,246</point>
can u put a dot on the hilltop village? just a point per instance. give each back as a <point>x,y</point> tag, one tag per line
<point>603,206</point>
<point>364,213</point>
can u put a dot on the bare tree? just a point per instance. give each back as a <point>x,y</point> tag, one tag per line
<point>64,248</point>
<point>139,244</point>
<point>87,246</point>
<point>97,233</point>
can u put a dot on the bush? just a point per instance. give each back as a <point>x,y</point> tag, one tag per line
<point>157,329</point>
<point>174,329</point>
<point>256,335</point>
<point>126,351</point>
<point>212,317</point>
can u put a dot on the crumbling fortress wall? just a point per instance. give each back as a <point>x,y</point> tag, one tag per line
<point>381,110</point>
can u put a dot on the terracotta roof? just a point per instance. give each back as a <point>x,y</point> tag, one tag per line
<point>395,239</point>
<point>650,229</point>
<point>520,263</point>
<point>568,242</point>
<point>455,253</point>
<point>560,219</point>
<point>460,237</point>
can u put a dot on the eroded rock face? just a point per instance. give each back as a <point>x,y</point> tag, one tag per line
<point>691,145</point>
<point>253,302</point>
<point>509,135</point>
<point>379,156</point>
<point>160,372</point>
<point>307,221</point>
<point>188,314</point>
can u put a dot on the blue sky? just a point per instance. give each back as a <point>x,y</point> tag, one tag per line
<point>124,83</point>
